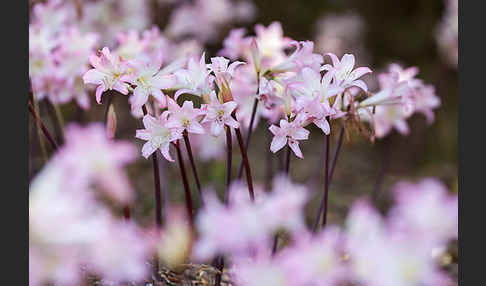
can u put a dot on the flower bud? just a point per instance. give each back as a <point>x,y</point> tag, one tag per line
<point>111,122</point>
<point>226,92</point>
<point>256,56</point>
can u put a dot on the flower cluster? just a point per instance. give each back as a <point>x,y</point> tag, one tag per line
<point>241,220</point>
<point>295,89</point>
<point>71,232</point>
<point>58,53</point>
<point>400,96</point>
<point>401,249</point>
<point>144,79</point>
<point>180,95</point>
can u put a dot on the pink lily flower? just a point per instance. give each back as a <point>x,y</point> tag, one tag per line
<point>158,135</point>
<point>235,44</point>
<point>302,57</point>
<point>149,81</point>
<point>110,72</point>
<point>288,133</point>
<point>195,79</point>
<point>219,114</point>
<point>223,72</point>
<point>344,75</point>
<point>185,117</point>
<point>312,95</point>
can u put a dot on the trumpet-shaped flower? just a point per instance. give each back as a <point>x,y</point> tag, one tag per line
<point>110,72</point>
<point>219,114</point>
<point>344,74</point>
<point>186,117</point>
<point>387,117</point>
<point>315,260</point>
<point>302,57</point>
<point>195,79</point>
<point>425,209</point>
<point>310,85</point>
<point>288,133</point>
<point>71,232</point>
<point>271,43</point>
<point>425,101</point>
<point>149,81</point>
<point>312,94</point>
<point>90,157</point>
<point>235,44</point>
<point>223,72</point>
<point>157,135</point>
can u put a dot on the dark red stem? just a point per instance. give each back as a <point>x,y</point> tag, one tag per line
<point>229,155</point>
<point>187,190</point>
<point>193,166</point>
<point>246,163</point>
<point>327,180</point>
<point>45,131</point>
<point>287,168</point>
<point>248,134</point>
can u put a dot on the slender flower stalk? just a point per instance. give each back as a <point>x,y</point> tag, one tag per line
<point>250,126</point>
<point>339,143</point>
<point>193,166</point>
<point>219,261</point>
<point>157,194</point>
<point>375,196</point>
<point>57,121</point>
<point>42,127</point>
<point>246,163</point>
<point>126,212</point>
<point>287,160</point>
<point>287,169</point>
<point>229,155</point>
<point>248,134</point>
<point>158,199</point>
<point>187,190</point>
<point>268,165</point>
<point>42,144</point>
<point>323,202</point>
<point>165,192</point>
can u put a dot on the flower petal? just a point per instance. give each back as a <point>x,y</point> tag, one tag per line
<point>359,72</point>
<point>301,133</point>
<point>323,125</point>
<point>93,76</point>
<point>361,84</point>
<point>99,91</point>
<point>148,149</point>
<point>232,122</point>
<point>294,145</point>
<point>195,128</point>
<point>334,59</point>
<point>277,143</point>
<point>142,134</point>
<point>139,97</point>
<point>164,149</point>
